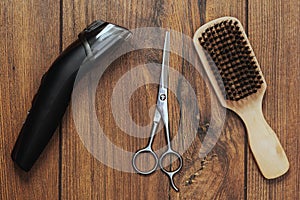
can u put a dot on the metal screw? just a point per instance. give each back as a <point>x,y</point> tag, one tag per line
<point>163,97</point>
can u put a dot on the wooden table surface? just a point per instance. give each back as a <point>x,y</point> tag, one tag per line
<point>34,32</point>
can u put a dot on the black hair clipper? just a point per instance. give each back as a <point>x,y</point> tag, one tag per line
<point>54,93</point>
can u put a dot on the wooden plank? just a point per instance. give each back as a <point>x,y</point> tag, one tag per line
<point>273,32</point>
<point>220,175</point>
<point>83,177</point>
<point>29,43</point>
<point>30,39</point>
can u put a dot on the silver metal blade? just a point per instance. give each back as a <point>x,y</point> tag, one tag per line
<point>164,78</point>
<point>157,116</point>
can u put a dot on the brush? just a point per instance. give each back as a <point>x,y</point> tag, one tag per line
<point>237,79</point>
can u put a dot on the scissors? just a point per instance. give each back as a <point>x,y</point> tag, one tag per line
<point>161,112</point>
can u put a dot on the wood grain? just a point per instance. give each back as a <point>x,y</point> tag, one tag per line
<point>220,174</point>
<point>29,43</point>
<point>273,27</point>
<point>90,178</point>
<point>31,35</point>
<point>105,180</point>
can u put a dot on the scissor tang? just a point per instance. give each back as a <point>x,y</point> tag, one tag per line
<point>162,107</point>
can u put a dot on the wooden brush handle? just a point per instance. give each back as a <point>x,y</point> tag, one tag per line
<point>265,146</point>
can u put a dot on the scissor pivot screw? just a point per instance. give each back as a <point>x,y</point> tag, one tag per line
<point>163,97</point>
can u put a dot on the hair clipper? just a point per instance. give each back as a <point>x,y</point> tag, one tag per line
<point>53,96</point>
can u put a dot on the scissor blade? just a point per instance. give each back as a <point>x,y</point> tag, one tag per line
<point>164,78</point>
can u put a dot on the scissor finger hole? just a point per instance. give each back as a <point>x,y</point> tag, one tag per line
<point>145,162</point>
<point>171,162</point>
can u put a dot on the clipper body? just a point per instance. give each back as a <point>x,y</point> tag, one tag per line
<point>54,93</point>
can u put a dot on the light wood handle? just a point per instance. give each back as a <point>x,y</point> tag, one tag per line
<point>265,146</point>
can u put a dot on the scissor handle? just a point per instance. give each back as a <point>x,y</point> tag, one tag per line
<point>145,150</point>
<point>170,173</point>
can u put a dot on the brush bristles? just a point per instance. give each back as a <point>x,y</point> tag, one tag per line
<point>229,51</point>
